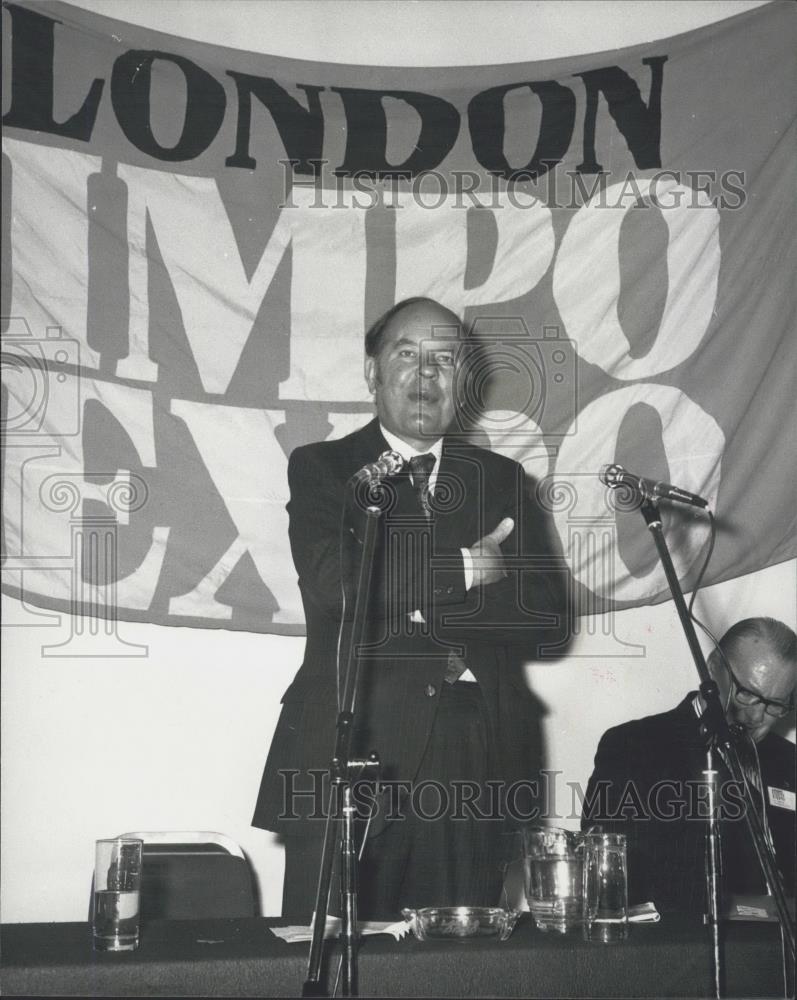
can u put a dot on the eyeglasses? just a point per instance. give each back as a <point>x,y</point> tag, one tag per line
<point>744,696</point>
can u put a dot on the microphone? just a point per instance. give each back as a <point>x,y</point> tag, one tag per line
<point>388,463</point>
<point>615,475</point>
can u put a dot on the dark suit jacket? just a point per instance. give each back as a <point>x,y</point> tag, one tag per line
<point>494,628</point>
<point>666,855</point>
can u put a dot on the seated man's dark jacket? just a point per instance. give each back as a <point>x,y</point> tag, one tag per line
<point>493,628</point>
<point>649,769</point>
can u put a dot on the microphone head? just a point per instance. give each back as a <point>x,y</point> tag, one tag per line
<point>388,464</point>
<point>610,475</point>
<point>392,461</point>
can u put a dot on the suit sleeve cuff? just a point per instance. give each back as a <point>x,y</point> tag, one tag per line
<point>449,581</point>
<point>467,565</point>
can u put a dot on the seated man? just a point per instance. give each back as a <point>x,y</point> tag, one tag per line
<point>647,781</point>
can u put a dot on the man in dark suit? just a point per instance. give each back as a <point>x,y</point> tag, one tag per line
<point>464,590</point>
<point>647,780</point>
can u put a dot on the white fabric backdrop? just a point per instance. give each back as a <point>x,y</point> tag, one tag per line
<point>176,738</point>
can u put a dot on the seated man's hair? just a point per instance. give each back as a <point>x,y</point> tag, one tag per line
<point>777,635</point>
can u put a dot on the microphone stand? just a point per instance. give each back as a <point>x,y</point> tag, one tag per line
<point>344,771</point>
<point>715,727</point>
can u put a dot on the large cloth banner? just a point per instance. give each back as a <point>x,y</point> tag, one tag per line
<point>196,238</point>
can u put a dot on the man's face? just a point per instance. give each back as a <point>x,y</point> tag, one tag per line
<point>762,671</point>
<point>413,375</point>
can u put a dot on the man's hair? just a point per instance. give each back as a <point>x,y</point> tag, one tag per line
<point>779,637</point>
<point>376,333</point>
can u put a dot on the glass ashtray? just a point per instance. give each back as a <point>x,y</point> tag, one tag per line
<point>435,922</point>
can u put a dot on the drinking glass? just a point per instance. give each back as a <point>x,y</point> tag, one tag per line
<point>117,890</point>
<point>605,887</point>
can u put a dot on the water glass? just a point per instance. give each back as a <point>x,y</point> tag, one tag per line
<point>554,862</point>
<point>117,892</point>
<point>605,887</point>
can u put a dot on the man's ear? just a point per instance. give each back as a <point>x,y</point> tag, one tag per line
<point>715,667</point>
<point>369,370</point>
<point>719,675</point>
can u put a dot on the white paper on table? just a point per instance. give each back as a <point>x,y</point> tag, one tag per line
<point>643,913</point>
<point>332,929</point>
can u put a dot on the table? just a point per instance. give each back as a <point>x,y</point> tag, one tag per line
<point>241,957</point>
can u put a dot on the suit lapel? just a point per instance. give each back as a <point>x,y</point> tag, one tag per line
<point>457,497</point>
<point>365,446</point>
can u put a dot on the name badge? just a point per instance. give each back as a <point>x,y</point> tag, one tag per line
<point>781,797</point>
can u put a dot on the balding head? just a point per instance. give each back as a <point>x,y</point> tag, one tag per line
<point>377,332</point>
<point>762,656</point>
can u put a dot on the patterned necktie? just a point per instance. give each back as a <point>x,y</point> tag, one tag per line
<point>420,469</point>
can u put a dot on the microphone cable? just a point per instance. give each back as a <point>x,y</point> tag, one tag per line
<point>693,598</point>
<point>342,586</point>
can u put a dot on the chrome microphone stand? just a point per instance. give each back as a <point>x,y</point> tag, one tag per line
<point>340,834</point>
<point>715,727</point>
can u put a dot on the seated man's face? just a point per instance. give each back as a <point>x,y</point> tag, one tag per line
<point>413,375</point>
<point>757,671</point>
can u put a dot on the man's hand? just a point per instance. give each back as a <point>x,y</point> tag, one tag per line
<point>488,561</point>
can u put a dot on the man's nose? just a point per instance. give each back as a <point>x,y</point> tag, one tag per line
<point>428,367</point>
<point>756,714</point>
